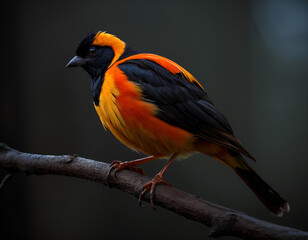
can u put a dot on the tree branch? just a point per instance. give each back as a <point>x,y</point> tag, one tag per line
<point>222,221</point>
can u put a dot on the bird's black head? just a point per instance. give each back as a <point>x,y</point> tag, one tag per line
<point>94,59</point>
<point>95,54</point>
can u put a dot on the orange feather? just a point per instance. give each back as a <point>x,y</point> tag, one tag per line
<point>120,98</point>
<point>133,120</point>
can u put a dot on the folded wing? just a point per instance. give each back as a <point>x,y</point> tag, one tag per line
<point>182,102</point>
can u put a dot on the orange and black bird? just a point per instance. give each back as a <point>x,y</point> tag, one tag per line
<point>154,105</point>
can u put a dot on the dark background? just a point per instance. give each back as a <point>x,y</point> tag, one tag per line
<point>251,56</point>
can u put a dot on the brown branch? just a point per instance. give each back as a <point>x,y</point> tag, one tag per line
<point>222,221</point>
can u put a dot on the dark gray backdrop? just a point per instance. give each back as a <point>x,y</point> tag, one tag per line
<point>251,56</point>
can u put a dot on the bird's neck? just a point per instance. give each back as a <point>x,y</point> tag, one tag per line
<point>96,87</point>
<point>97,81</point>
<point>129,52</point>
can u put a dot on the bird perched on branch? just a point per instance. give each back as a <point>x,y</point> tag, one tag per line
<point>154,105</point>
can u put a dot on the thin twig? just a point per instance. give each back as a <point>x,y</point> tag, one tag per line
<point>222,221</point>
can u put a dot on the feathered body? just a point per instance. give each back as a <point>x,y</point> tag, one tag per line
<point>131,117</point>
<point>152,104</point>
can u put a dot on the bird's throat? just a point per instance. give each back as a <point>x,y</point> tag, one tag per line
<point>96,88</point>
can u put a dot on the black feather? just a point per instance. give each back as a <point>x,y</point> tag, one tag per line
<point>181,103</point>
<point>85,43</point>
<point>129,52</point>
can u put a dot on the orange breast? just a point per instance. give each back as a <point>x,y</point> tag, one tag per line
<point>133,120</point>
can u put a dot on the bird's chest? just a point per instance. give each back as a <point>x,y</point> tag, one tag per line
<point>106,105</point>
<point>132,120</point>
<point>113,101</point>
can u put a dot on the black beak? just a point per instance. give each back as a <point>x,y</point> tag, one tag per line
<point>76,61</point>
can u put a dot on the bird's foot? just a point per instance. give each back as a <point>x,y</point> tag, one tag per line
<point>151,186</point>
<point>118,166</point>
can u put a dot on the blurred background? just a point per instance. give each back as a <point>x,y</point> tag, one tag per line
<point>251,56</point>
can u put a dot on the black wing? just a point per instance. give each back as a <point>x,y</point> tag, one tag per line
<point>182,103</point>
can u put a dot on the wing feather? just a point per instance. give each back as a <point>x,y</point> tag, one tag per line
<point>182,102</point>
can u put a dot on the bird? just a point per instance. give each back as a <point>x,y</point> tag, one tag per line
<point>153,105</point>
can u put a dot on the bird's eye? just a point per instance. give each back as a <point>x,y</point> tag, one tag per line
<point>93,51</point>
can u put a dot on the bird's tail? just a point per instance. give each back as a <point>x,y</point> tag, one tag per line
<point>268,196</point>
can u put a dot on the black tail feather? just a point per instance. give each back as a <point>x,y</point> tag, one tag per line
<point>268,196</point>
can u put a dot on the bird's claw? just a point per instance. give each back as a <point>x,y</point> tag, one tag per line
<point>151,186</point>
<point>119,165</point>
